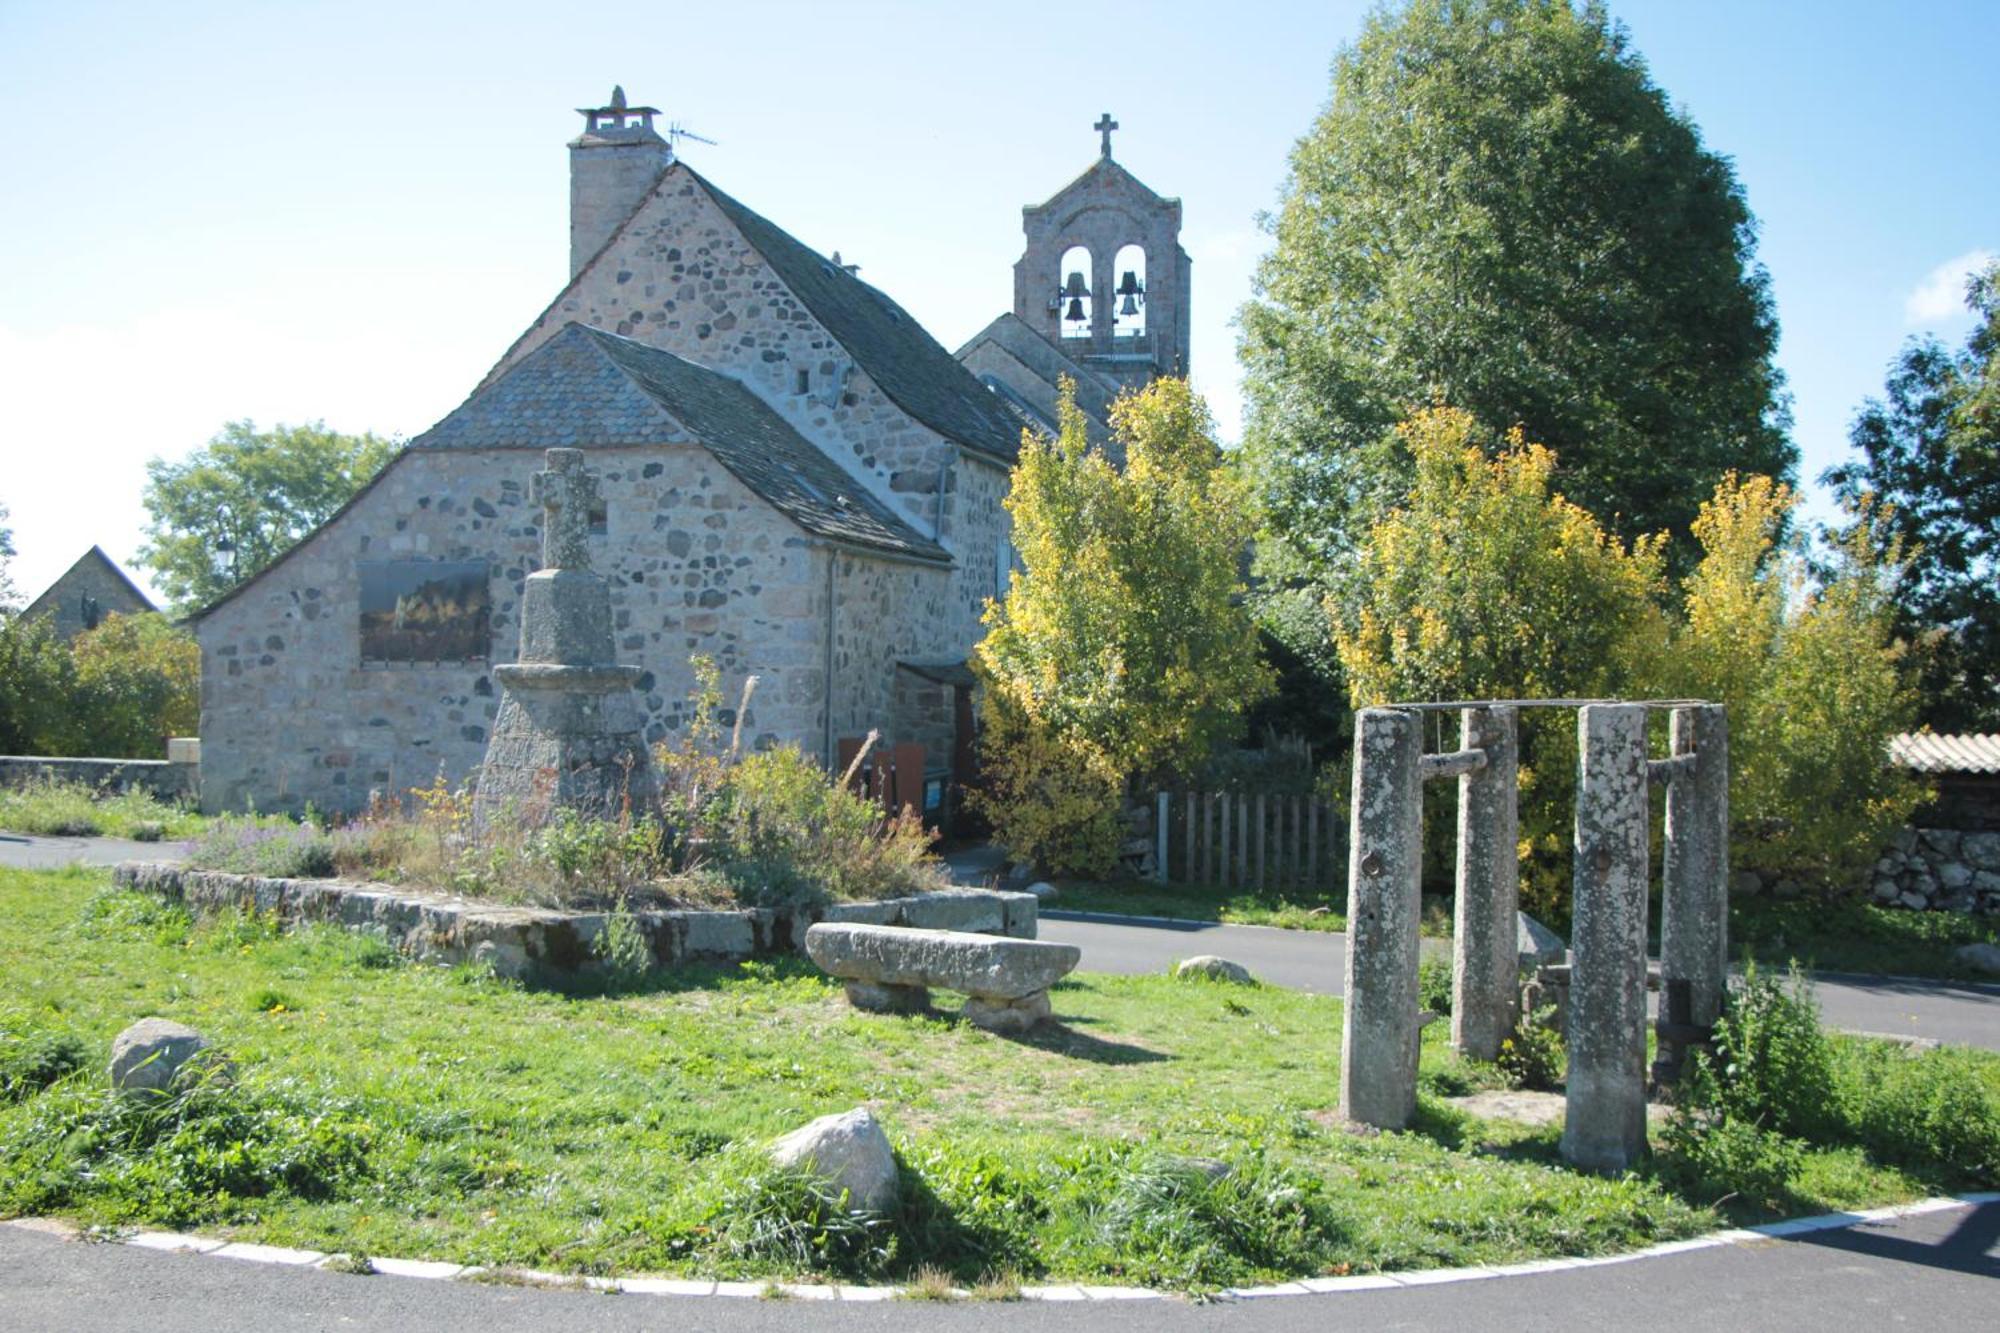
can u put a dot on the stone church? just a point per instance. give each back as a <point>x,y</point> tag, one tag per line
<point>797,481</point>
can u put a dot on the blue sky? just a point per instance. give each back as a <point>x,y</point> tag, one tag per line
<point>295,211</point>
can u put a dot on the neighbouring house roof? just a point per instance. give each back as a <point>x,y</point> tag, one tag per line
<point>585,387</point>
<point>1047,362</point>
<point>95,555</point>
<point>895,351</point>
<point>1922,752</point>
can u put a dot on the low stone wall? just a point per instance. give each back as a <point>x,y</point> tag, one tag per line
<point>166,779</point>
<point>1942,869</point>
<point>538,944</point>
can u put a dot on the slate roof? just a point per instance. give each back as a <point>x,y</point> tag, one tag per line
<point>897,353</point>
<point>587,388</point>
<point>1924,753</point>
<point>95,555</point>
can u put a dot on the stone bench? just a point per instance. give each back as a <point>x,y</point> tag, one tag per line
<point>891,969</point>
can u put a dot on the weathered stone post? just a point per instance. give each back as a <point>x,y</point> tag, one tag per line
<point>1485,952</point>
<point>568,732</point>
<point>1379,1033</point>
<point>1694,891</point>
<point>1605,1125</point>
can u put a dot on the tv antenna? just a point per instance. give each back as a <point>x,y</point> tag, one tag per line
<point>677,132</point>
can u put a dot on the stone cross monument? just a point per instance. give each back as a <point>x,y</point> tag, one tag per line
<point>569,732</point>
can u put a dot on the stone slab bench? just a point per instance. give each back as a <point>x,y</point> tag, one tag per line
<point>891,969</point>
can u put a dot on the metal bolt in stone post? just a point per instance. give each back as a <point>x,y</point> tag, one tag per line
<point>1379,1032</point>
<point>1605,1124</point>
<point>1485,974</point>
<point>1694,891</point>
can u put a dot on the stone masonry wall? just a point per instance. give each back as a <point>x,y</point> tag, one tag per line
<point>63,601</point>
<point>697,564</point>
<point>681,277</point>
<point>1943,869</point>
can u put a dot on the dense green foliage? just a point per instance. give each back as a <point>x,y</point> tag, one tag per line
<point>1930,455</point>
<point>1776,1088</point>
<point>119,690</point>
<point>1499,210</point>
<point>9,596</point>
<point>1121,648</point>
<point>258,492</point>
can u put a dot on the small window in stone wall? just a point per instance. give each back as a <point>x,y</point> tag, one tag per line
<point>600,519</point>
<point>424,612</point>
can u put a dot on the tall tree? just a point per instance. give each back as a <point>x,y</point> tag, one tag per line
<point>1499,211</point>
<point>1930,456</point>
<point>252,494</point>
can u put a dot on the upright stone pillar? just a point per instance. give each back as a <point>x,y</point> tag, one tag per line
<point>1379,1033</point>
<point>568,733</point>
<point>1605,1125</point>
<point>1485,975</point>
<point>1694,891</point>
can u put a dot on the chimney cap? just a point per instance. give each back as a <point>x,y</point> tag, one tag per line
<point>617,120</point>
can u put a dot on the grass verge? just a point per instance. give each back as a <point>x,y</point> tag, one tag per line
<point>1165,1134</point>
<point>1852,935</point>
<point>51,808</point>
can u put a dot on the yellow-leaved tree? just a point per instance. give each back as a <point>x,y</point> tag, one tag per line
<point>1122,649</point>
<point>1813,676</point>
<point>1486,583</point>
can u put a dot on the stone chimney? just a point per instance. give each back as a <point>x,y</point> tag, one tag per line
<point>611,166</point>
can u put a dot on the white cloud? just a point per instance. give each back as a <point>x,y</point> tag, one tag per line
<point>1940,297</point>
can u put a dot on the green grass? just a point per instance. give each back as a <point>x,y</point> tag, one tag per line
<point>1293,909</point>
<point>1853,935</point>
<point>51,808</point>
<point>385,1108</point>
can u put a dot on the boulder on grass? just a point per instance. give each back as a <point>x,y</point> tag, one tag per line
<point>151,1053</point>
<point>1985,957</point>
<point>1213,968</point>
<point>848,1151</point>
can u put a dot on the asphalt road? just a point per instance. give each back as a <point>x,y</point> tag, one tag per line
<point>38,853</point>
<point>1961,1012</point>
<point>1929,1272</point>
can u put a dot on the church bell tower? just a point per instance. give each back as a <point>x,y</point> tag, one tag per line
<point>1104,276</point>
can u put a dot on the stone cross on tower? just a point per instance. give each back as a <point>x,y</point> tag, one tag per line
<point>567,493</point>
<point>1105,124</point>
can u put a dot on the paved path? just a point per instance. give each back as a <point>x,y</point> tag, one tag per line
<point>38,853</point>
<point>1961,1012</point>
<point>1927,1272</point>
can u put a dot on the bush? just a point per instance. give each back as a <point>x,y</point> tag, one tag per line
<point>247,845</point>
<point>1532,1056</point>
<point>1434,985</point>
<point>1049,804</point>
<point>1930,1112</point>
<point>118,690</point>
<point>1717,1161</point>
<point>1772,1066</point>
<point>54,807</point>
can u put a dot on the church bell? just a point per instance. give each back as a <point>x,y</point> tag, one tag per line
<point>1075,312</point>
<point>1129,306</point>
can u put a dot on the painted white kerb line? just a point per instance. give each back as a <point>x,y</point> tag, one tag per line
<point>243,1252</point>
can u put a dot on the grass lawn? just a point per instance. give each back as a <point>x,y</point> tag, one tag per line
<point>1294,909</point>
<point>386,1108</point>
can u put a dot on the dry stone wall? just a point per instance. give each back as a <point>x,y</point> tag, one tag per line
<point>697,563</point>
<point>1940,869</point>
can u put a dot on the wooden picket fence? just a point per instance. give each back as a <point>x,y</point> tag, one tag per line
<point>1243,840</point>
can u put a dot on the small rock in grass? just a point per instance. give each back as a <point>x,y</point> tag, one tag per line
<point>1042,889</point>
<point>848,1151</point>
<point>1985,957</point>
<point>1745,884</point>
<point>151,1053</point>
<point>1213,968</point>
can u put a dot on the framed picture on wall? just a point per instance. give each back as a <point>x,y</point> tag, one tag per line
<point>428,612</point>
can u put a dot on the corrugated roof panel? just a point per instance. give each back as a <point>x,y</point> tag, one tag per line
<point>1922,752</point>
